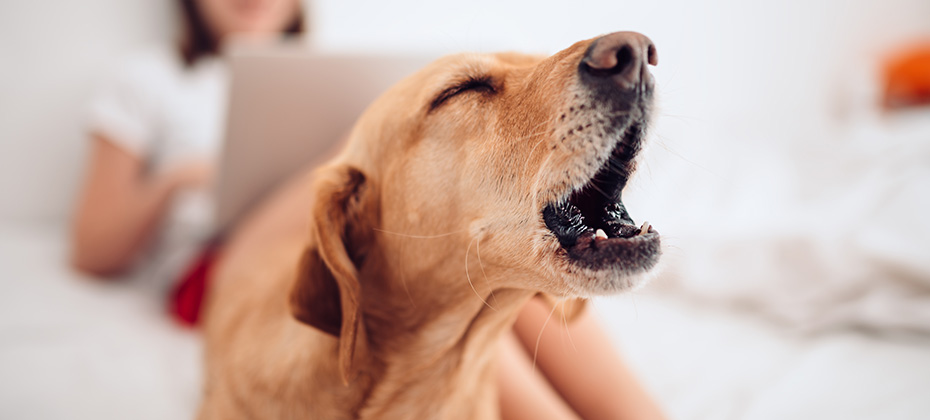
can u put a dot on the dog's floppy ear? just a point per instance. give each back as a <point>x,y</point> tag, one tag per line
<point>566,309</point>
<point>326,293</point>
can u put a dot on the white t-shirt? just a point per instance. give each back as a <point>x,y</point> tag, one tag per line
<point>167,113</point>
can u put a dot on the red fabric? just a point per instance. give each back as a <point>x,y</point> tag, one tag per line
<point>188,296</point>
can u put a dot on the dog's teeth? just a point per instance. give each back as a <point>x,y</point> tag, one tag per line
<point>599,234</point>
<point>644,228</point>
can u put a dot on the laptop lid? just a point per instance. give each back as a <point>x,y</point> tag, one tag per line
<point>288,107</point>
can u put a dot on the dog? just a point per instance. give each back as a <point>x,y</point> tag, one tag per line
<point>462,192</point>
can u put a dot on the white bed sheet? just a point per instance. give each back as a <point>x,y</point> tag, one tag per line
<point>71,348</point>
<point>709,363</point>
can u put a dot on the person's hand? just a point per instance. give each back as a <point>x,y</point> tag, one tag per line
<point>191,175</point>
<point>121,204</point>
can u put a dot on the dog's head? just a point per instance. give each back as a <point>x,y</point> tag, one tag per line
<point>489,172</point>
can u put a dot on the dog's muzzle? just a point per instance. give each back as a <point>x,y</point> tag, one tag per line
<point>591,223</point>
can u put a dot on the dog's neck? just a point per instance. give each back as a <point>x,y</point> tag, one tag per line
<point>431,350</point>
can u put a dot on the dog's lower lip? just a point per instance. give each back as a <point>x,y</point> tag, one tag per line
<point>592,224</point>
<point>652,233</point>
<point>601,235</point>
<point>633,254</point>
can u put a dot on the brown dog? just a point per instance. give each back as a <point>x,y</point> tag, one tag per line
<point>466,189</point>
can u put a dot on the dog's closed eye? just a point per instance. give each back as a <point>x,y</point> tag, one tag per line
<point>477,84</point>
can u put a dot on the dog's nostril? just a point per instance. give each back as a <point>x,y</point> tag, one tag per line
<point>625,59</point>
<point>620,59</point>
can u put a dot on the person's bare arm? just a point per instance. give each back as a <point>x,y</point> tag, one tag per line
<point>583,366</point>
<point>524,392</point>
<point>119,206</point>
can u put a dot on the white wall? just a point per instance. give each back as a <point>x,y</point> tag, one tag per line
<point>53,52</point>
<point>726,66</point>
<point>739,70</point>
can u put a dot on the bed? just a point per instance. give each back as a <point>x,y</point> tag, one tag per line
<point>74,348</point>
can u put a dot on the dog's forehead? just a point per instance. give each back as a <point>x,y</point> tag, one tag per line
<point>398,116</point>
<point>458,67</point>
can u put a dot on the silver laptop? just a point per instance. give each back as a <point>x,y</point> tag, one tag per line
<point>288,107</point>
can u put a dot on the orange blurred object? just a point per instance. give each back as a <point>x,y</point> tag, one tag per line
<point>907,77</point>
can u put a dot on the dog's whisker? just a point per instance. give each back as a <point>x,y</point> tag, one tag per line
<point>537,143</point>
<point>567,330</point>
<point>682,157</point>
<point>635,309</point>
<point>527,162</point>
<point>598,189</point>
<point>534,129</point>
<point>403,277</point>
<point>617,169</point>
<point>539,337</point>
<point>683,118</point>
<point>541,141</point>
<point>529,136</point>
<point>403,282</point>
<point>563,324</point>
<point>614,114</point>
<point>483,273</point>
<point>467,276</point>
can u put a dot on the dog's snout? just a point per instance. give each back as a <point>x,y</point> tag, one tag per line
<point>619,59</point>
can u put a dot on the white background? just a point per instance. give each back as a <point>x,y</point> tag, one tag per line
<point>732,69</point>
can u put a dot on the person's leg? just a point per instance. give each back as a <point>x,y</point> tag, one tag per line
<point>582,365</point>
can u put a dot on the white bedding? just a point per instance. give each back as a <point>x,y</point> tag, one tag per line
<point>820,233</point>
<point>709,363</point>
<point>74,349</point>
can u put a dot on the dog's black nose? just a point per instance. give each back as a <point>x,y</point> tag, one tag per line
<point>619,59</point>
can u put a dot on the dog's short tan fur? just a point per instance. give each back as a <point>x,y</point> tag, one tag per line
<point>425,240</point>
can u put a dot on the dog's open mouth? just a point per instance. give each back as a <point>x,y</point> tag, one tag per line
<point>593,226</point>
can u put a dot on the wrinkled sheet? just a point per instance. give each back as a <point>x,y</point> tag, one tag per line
<point>823,232</point>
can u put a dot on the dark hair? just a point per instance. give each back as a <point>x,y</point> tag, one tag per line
<point>198,41</point>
